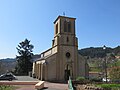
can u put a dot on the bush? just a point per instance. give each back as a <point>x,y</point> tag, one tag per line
<point>96,80</point>
<point>80,79</point>
<point>116,81</point>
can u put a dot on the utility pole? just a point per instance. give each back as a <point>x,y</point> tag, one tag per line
<point>104,48</point>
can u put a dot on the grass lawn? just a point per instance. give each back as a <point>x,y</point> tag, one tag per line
<point>7,87</point>
<point>110,86</point>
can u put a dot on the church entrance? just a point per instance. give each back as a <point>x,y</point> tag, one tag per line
<point>67,73</point>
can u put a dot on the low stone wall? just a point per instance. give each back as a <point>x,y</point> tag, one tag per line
<point>18,82</point>
<point>38,84</point>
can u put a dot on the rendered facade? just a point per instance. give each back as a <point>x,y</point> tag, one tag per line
<point>62,59</point>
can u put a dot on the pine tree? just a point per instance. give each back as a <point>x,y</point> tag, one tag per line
<point>24,59</point>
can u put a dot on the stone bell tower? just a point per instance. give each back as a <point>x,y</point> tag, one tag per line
<point>66,44</point>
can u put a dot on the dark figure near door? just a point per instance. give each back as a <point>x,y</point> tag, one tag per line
<point>67,73</point>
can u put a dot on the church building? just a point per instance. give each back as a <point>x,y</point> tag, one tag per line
<point>62,59</point>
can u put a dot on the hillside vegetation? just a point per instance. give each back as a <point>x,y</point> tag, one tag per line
<point>98,52</point>
<point>96,57</point>
<point>7,64</point>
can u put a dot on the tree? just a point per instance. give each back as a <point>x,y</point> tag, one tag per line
<point>115,73</point>
<point>117,50</point>
<point>24,59</point>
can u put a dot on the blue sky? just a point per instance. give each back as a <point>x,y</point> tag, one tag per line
<point>97,23</point>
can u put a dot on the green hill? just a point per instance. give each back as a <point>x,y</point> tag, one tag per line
<point>98,52</point>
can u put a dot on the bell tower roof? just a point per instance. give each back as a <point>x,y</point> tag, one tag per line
<point>64,25</point>
<point>63,17</point>
<point>64,31</point>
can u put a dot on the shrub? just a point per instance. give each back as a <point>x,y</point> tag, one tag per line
<point>80,79</point>
<point>96,80</point>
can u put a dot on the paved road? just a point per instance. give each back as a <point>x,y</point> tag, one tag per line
<point>26,78</point>
<point>25,87</point>
<point>48,85</point>
<point>55,86</point>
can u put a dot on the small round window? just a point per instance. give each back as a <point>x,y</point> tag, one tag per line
<point>68,55</point>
